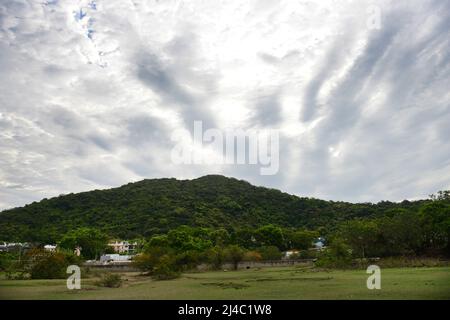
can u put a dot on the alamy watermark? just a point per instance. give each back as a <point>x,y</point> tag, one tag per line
<point>374,280</point>
<point>74,280</point>
<point>230,147</point>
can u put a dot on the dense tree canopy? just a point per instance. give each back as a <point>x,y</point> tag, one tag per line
<point>152,207</point>
<point>92,242</point>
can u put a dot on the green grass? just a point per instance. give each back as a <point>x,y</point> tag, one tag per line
<point>269,283</point>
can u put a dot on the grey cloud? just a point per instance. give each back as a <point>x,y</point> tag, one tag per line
<point>382,151</point>
<point>268,58</point>
<point>266,110</point>
<point>68,124</point>
<point>172,79</point>
<point>332,61</point>
<point>143,129</point>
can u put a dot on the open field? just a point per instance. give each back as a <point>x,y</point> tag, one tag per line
<point>269,283</point>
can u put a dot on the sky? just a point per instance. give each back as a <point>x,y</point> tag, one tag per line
<point>91,93</point>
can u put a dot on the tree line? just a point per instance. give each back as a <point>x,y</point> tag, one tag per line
<point>153,207</point>
<point>397,232</point>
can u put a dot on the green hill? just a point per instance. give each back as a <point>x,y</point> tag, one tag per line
<point>155,206</point>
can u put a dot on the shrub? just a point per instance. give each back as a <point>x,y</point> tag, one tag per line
<point>235,254</point>
<point>165,269</point>
<point>307,254</point>
<point>215,257</point>
<point>337,256</point>
<point>410,262</point>
<point>270,253</point>
<point>252,256</point>
<point>144,262</point>
<point>16,271</point>
<point>6,260</point>
<point>49,265</point>
<point>93,242</point>
<point>187,260</point>
<point>110,280</point>
<point>160,265</point>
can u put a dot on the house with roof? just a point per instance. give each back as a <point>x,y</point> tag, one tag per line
<point>50,247</point>
<point>122,247</point>
<point>319,243</point>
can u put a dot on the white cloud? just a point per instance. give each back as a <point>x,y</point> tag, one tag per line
<point>91,92</point>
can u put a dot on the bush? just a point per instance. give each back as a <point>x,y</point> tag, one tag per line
<point>187,260</point>
<point>6,260</point>
<point>160,265</point>
<point>337,256</point>
<point>49,265</point>
<point>165,269</point>
<point>252,256</point>
<point>308,254</point>
<point>93,242</point>
<point>16,271</point>
<point>270,253</point>
<point>215,257</point>
<point>234,254</point>
<point>110,280</point>
<point>411,262</point>
<point>144,262</point>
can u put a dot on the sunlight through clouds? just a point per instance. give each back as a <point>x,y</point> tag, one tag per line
<point>92,90</point>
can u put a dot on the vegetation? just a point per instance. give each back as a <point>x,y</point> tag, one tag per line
<point>213,220</point>
<point>264,284</point>
<point>92,242</point>
<point>110,280</point>
<point>41,264</point>
<point>235,255</point>
<point>153,207</point>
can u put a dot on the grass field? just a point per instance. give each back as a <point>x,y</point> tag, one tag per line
<point>269,283</point>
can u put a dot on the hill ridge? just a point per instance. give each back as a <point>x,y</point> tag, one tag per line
<point>154,206</point>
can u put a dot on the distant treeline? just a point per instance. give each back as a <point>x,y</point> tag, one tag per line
<point>396,232</point>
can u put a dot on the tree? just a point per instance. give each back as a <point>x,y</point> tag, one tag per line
<point>159,241</point>
<point>42,264</point>
<point>185,238</point>
<point>400,233</point>
<point>92,241</point>
<point>441,195</point>
<point>160,262</point>
<point>270,253</point>
<point>252,256</point>
<point>235,254</point>
<point>360,235</point>
<point>220,237</point>
<point>244,237</point>
<point>337,255</point>
<point>215,256</point>
<point>435,218</point>
<point>302,239</point>
<point>270,235</point>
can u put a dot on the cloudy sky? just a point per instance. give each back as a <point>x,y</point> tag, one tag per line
<point>91,93</point>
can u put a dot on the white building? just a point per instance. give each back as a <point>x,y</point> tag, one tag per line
<point>50,247</point>
<point>319,244</point>
<point>106,258</point>
<point>13,246</point>
<point>288,254</point>
<point>123,246</point>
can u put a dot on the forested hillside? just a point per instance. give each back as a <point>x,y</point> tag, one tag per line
<point>151,207</point>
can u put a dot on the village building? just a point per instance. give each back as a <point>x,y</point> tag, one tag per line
<point>109,258</point>
<point>319,244</point>
<point>123,246</point>
<point>290,254</point>
<point>14,246</point>
<point>50,247</point>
